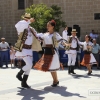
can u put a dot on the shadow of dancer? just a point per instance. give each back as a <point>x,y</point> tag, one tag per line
<point>62,91</point>
<point>80,76</point>
<point>31,94</point>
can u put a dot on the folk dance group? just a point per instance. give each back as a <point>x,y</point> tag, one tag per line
<point>29,40</point>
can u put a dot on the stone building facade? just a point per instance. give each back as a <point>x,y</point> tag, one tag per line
<point>10,15</point>
<point>79,12</point>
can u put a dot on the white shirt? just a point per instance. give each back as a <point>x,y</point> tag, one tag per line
<point>74,43</point>
<point>48,37</point>
<point>21,25</point>
<point>84,44</point>
<point>4,46</point>
<point>64,34</point>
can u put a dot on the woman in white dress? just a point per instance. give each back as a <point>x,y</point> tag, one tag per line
<point>88,58</point>
<point>50,60</point>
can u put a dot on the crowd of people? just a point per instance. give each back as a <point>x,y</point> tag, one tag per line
<point>29,40</point>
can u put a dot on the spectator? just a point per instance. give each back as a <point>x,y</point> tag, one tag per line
<point>93,35</point>
<point>4,46</point>
<point>12,55</point>
<point>65,33</point>
<point>96,51</point>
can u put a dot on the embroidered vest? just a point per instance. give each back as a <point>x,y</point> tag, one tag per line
<point>70,41</point>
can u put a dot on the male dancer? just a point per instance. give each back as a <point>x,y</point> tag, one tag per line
<point>26,52</point>
<point>72,52</point>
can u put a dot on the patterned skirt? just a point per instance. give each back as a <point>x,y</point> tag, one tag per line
<point>44,63</point>
<point>88,59</point>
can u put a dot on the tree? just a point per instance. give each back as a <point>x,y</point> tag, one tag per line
<point>42,14</point>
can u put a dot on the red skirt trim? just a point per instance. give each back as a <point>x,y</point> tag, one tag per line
<point>44,63</point>
<point>86,60</point>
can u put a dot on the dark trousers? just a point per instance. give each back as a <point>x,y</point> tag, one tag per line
<point>4,56</point>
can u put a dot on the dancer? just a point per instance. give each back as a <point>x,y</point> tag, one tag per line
<point>50,60</point>
<point>88,58</point>
<point>25,48</point>
<point>72,47</point>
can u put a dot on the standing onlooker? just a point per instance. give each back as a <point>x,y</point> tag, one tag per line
<point>12,55</point>
<point>65,33</point>
<point>95,51</point>
<point>4,46</point>
<point>93,35</point>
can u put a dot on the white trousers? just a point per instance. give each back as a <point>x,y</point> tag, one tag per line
<point>71,59</point>
<point>28,66</point>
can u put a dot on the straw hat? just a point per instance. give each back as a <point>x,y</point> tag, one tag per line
<point>74,30</point>
<point>2,38</point>
<point>26,16</point>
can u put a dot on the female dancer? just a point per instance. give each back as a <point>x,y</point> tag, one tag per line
<point>50,60</point>
<point>88,58</point>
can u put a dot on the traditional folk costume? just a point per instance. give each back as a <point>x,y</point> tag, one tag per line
<point>88,58</point>
<point>29,42</point>
<point>71,50</point>
<point>50,59</point>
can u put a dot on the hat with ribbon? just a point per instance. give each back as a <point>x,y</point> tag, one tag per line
<point>73,31</point>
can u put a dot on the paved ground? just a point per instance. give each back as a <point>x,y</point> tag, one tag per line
<point>71,87</point>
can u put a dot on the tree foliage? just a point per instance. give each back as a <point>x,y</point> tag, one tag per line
<point>42,14</point>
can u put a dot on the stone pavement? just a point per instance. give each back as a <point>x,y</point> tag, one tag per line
<point>71,87</point>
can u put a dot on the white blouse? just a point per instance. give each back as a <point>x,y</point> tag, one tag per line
<point>47,37</point>
<point>84,44</point>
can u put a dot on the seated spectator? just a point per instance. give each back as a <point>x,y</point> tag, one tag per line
<point>4,46</point>
<point>12,55</point>
<point>96,51</point>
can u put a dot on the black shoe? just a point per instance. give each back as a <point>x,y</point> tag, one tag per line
<point>69,73</point>
<point>73,72</point>
<point>55,84</point>
<point>69,69</point>
<point>6,66</point>
<point>24,82</point>
<point>89,73</point>
<point>19,75</point>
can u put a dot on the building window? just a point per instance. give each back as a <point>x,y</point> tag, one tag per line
<point>97,16</point>
<point>21,4</point>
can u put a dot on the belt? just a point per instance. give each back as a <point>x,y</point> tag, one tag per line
<point>25,46</point>
<point>72,48</point>
<point>49,49</point>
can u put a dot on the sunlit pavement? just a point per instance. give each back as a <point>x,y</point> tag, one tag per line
<point>71,87</point>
